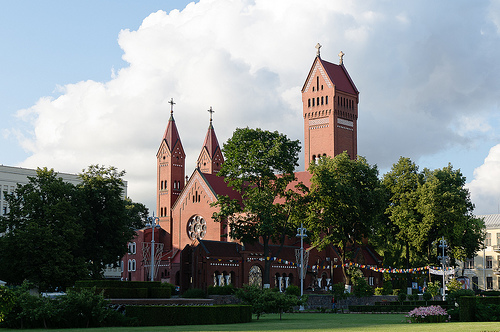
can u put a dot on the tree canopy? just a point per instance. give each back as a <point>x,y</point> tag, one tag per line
<point>56,232</point>
<point>423,207</point>
<point>346,201</point>
<point>260,165</point>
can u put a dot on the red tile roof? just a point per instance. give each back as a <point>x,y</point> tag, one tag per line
<point>171,135</point>
<point>219,187</point>
<point>340,77</point>
<point>211,143</point>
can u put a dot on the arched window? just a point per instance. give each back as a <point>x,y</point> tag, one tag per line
<point>321,100</point>
<point>326,100</point>
<point>313,102</point>
<point>255,276</point>
<point>309,102</point>
<point>133,265</point>
<point>129,265</point>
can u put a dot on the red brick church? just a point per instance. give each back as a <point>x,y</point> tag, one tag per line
<point>193,251</point>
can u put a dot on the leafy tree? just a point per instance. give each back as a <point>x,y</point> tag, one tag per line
<point>259,165</point>
<point>446,208</point>
<point>43,233</point>
<point>56,233</point>
<point>346,201</point>
<point>109,219</point>
<point>433,288</point>
<point>402,183</point>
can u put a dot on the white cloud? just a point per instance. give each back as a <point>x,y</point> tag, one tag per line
<point>485,188</point>
<point>419,72</point>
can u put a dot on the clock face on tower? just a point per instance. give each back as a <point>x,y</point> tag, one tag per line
<point>196,228</point>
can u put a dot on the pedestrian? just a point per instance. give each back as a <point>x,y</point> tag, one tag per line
<point>333,302</point>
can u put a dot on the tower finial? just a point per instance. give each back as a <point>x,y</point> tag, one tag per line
<point>341,56</point>
<point>318,46</point>
<point>171,102</point>
<point>211,111</point>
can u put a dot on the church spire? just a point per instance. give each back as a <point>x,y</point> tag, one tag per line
<point>210,159</point>
<point>171,135</point>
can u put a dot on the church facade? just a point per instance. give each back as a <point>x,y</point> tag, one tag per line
<point>196,252</point>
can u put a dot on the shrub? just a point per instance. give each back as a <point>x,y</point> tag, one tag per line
<point>339,292</point>
<point>220,290</point>
<point>292,290</point>
<point>413,297</point>
<point>361,288</point>
<point>77,309</point>
<point>387,287</point>
<point>433,288</point>
<point>427,296</point>
<point>454,285</point>
<point>194,293</point>
<point>401,297</point>
<point>396,291</point>
<point>379,291</point>
<point>7,301</point>
<point>453,296</point>
<point>487,312</point>
<point>432,314</point>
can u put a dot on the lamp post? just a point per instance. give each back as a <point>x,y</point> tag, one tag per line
<point>301,232</point>
<point>443,258</point>
<point>154,222</point>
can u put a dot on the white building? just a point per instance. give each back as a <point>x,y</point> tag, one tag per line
<point>483,270</point>
<point>10,177</point>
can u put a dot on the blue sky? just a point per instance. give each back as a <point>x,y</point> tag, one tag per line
<point>88,82</point>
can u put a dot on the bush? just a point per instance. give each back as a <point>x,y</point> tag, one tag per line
<point>396,291</point>
<point>221,290</point>
<point>194,293</point>
<point>453,296</point>
<point>432,314</point>
<point>387,287</point>
<point>413,297</point>
<point>7,301</point>
<point>427,296</point>
<point>76,309</point>
<point>361,288</point>
<point>379,291</point>
<point>401,297</point>
<point>292,290</point>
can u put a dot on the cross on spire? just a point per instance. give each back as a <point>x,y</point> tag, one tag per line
<point>171,102</point>
<point>318,46</point>
<point>341,56</point>
<point>211,111</point>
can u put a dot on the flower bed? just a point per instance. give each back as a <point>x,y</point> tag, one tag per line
<point>431,314</point>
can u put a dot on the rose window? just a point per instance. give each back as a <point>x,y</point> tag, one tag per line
<point>196,228</point>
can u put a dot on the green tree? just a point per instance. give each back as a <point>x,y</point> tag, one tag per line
<point>446,208</point>
<point>346,202</point>
<point>42,233</point>
<point>259,165</point>
<point>56,233</point>
<point>109,219</point>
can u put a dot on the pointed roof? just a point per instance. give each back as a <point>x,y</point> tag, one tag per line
<point>171,135</point>
<point>337,74</point>
<point>211,143</point>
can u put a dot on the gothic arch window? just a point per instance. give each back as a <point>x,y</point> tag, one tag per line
<point>161,185</point>
<point>321,86</point>
<point>321,100</point>
<point>317,82</point>
<point>196,227</point>
<point>255,276</point>
<point>326,100</point>
<point>309,102</point>
<point>317,101</point>
<point>313,102</point>
<point>217,278</point>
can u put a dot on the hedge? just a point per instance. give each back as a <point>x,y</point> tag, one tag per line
<point>469,306</point>
<point>189,315</point>
<point>418,303</point>
<point>116,289</point>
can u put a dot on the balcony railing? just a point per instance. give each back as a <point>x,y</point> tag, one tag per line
<point>496,248</point>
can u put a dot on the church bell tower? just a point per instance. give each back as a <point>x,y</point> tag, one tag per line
<point>330,110</point>
<point>170,171</point>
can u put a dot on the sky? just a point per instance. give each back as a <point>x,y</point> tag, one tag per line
<point>88,82</point>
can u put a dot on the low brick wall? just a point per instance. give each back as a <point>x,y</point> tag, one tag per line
<point>224,299</point>
<point>171,301</point>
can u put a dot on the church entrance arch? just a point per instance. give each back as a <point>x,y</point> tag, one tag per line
<point>255,276</point>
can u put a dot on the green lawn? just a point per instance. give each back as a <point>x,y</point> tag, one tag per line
<point>313,322</point>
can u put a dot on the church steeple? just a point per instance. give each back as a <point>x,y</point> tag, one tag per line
<point>330,109</point>
<point>210,159</point>
<point>170,170</point>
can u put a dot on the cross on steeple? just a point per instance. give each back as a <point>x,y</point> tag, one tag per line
<point>211,111</point>
<point>341,55</point>
<point>171,102</point>
<point>318,46</point>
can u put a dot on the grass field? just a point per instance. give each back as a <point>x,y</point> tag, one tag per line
<point>313,322</point>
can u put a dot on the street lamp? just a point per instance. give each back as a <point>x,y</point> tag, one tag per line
<point>301,232</point>
<point>154,222</point>
<point>443,259</point>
